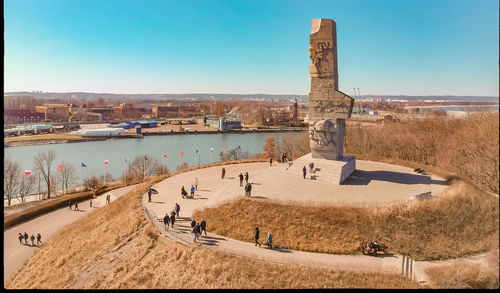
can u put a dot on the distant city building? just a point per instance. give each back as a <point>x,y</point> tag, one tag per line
<point>55,112</point>
<point>165,111</point>
<point>19,103</point>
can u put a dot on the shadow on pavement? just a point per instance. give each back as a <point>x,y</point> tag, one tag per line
<point>281,250</point>
<point>262,197</point>
<point>365,177</point>
<point>157,201</point>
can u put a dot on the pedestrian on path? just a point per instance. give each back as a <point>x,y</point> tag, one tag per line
<point>70,205</point>
<point>25,238</point>
<point>76,206</point>
<point>241,179</point>
<point>193,223</point>
<point>192,191</point>
<point>248,189</point>
<point>203,226</point>
<point>20,238</point>
<point>246,177</point>
<point>270,161</point>
<point>183,192</point>
<point>172,218</point>
<point>196,232</point>
<point>304,171</point>
<point>166,221</point>
<point>38,239</point>
<point>269,240</point>
<point>177,209</point>
<point>91,202</point>
<point>32,238</point>
<point>149,193</point>
<point>223,173</point>
<point>196,184</point>
<point>257,236</point>
<point>311,168</point>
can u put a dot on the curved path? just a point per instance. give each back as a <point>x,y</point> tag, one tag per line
<point>380,184</point>
<point>15,254</point>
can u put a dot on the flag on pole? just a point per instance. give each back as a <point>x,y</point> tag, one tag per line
<point>83,165</point>
<point>27,172</point>
<point>239,147</point>
<point>225,148</point>
<point>145,158</point>
<point>125,160</point>
<point>196,151</point>
<point>59,168</point>
<point>181,154</point>
<point>106,162</point>
<point>212,150</point>
<point>164,155</point>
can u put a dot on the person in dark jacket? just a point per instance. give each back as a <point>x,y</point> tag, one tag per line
<point>304,171</point>
<point>177,209</point>
<point>76,206</point>
<point>270,161</point>
<point>246,177</point>
<point>38,239</point>
<point>70,205</point>
<point>193,223</point>
<point>25,238</point>
<point>21,237</point>
<point>241,179</point>
<point>203,226</point>
<point>249,189</point>
<point>32,238</point>
<point>196,232</point>
<point>269,240</point>
<point>166,221</point>
<point>183,192</point>
<point>257,236</point>
<point>172,218</point>
<point>223,173</point>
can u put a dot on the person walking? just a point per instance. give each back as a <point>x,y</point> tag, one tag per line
<point>76,206</point>
<point>166,221</point>
<point>270,161</point>
<point>25,238</point>
<point>177,209</point>
<point>193,223</point>
<point>269,240</point>
<point>20,238</point>
<point>149,193</point>
<point>196,231</point>
<point>249,189</point>
<point>304,171</point>
<point>70,205</point>
<point>203,226</point>
<point>223,173</point>
<point>246,177</point>
<point>38,239</point>
<point>91,202</point>
<point>256,236</point>
<point>172,218</point>
<point>246,189</point>
<point>241,179</point>
<point>196,184</point>
<point>311,168</point>
<point>183,192</point>
<point>192,191</point>
<point>32,238</point>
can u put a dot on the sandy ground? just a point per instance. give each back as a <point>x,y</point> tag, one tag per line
<point>380,184</point>
<point>47,225</point>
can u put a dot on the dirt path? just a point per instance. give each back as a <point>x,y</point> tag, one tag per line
<point>47,225</point>
<point>273,183</point>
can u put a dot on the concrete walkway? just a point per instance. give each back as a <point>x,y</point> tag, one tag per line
<point>47,225</point>
<point>376,183</point>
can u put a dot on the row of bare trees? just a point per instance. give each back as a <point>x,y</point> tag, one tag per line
<point>291,145</point>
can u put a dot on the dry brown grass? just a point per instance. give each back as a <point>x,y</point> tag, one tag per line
<point>55,136</point>
<point>464,275</point>
<point>128,252</point>
<point>462,221</point>
<point>467,147</point>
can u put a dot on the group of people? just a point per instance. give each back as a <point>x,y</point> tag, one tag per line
<point>194,187</point>
<point>76,205</point>
<point>269,238</point>
<point>173,214</point>
<point>312,170</point>
<point>32,238</point>
<point>198,228</point>
<point>248,185</point>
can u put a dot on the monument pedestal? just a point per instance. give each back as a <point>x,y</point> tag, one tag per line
<point>332,171</point>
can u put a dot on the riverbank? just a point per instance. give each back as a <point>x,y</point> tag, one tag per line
<point>57,138</point>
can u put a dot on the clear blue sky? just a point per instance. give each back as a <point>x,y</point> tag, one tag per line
<point>385,47</point>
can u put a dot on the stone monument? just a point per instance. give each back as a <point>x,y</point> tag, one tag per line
<point>328,108</point>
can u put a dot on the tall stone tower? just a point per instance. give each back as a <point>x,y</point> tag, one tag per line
<point>328,107</point>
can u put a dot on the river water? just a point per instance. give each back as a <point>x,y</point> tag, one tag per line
<point>94,153</point>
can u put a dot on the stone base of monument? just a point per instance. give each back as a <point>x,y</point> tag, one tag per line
<point>332,171</point>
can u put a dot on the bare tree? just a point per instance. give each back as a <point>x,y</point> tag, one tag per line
<point>144,166</point>
<point>234,154</point>
<point>26,185</point>
<point>92,183</point>
<point>10,179</point>
<point>66,176</point>
<point>269,147</point>
<point>43,164</point>
<point>182,167</point>
<point>106,178</point>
